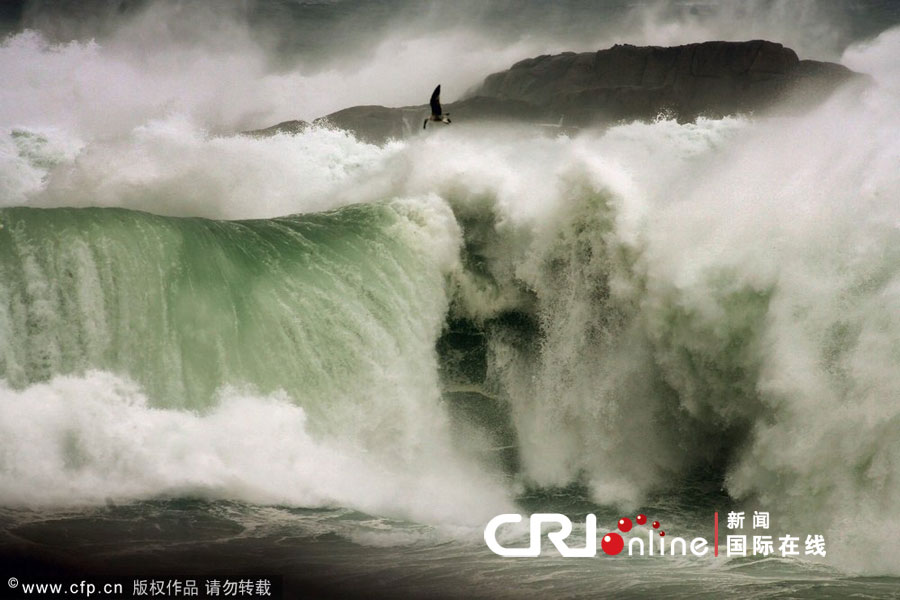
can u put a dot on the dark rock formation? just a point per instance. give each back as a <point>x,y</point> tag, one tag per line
<point>291,127</point>
<point>623,82</point>
<point>631,82</point>
<point>376,124</point>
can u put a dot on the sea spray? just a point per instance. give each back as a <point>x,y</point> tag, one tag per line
<point>656,298</point>
<point>333,315</point>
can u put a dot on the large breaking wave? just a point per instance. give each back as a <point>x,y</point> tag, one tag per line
<point>654,298</point>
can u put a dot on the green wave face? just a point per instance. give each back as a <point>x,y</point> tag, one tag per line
<point>339,306</point>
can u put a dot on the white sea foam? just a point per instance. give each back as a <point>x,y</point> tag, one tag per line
<point>95,438</point>
<point>724,288</point>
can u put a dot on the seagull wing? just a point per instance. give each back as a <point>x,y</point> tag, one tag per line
<point>436,101</point>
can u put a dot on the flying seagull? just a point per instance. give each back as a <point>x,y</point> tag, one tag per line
<point>436,114</point>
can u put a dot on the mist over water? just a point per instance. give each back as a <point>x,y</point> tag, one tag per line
<point>657,298</point>
<point>103,68</point>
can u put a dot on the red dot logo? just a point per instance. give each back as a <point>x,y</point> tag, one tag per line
<point>612,543</point>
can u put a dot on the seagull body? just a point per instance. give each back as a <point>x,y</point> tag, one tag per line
<point>436,114</point>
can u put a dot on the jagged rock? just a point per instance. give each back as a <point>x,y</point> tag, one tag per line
<point>632,82</point>
<point>376,124</point>
<point>283,127</point>
<point>623,82</point>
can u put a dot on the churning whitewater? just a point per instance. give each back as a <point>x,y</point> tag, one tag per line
<point>186,313</point>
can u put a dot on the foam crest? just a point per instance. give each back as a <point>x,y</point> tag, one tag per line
<point>95,438</point>
<point>657,298</point>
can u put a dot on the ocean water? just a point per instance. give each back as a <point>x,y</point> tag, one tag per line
<point>332,363</point>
